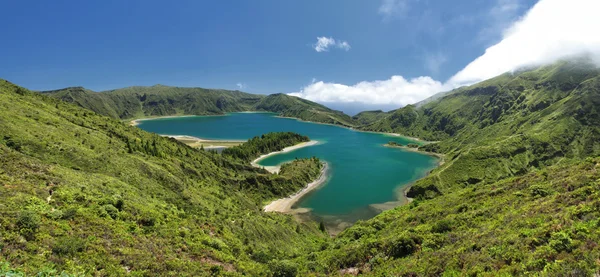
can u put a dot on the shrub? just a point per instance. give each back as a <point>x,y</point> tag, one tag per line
<point>402,246</point>
<point>442,226</point>
<point>283,268</point>
<point>68,246</point>
<point>111,210</point>
<point>561,241</point>
<point>28,223</point>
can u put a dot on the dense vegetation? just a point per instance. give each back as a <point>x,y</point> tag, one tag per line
<point>88,194</point>
<point>264,144</point>
<point>159,100</point>
<point>540,223</point>
<point>518,193</point>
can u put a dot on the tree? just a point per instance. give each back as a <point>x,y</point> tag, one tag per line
<point>322,226</point>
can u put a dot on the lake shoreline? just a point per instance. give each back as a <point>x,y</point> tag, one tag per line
<point>402,197</point>
<point>197,142</point>
<point>275,168</point>
<point>416,150</point>
<point>135,122</point>
<point>284,205</point>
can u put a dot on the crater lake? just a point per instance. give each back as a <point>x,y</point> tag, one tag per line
<point>364,176</point>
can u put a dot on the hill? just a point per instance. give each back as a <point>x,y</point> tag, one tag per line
<point>369,117</point>
<point>86,193</point>
<point>159,100</point>
<point>507,125</point>
<point>517,194</point>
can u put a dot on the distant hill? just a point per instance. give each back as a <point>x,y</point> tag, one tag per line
<point>369,117</point>
<point>159,100</point>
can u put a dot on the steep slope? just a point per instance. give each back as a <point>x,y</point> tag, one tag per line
<point>88,194</point>
<point>540,224</point>
<point>507,125</point>
<point>517,194</point>
<point>158,100</point>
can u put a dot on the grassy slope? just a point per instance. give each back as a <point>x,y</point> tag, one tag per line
<point>163,208</point>
<point>158,100</point>
<point>516,195</point>
<point>506,126</point>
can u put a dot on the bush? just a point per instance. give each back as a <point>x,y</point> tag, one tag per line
<point>283,268</point>
<point>442,226</point>
<point>561,241</point>
<point>111,210</point>
<point>28,223</point>
<point>68,246</point>
<point>402,246</point>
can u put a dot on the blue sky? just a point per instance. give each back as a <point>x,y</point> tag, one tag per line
<point>266,46</point>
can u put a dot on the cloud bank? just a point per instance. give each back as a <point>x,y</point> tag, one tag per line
<point>549,31</point>
<point>324,43</point>
<point>396,90</point>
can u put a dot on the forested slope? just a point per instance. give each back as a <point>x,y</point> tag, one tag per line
<point>88,194</point>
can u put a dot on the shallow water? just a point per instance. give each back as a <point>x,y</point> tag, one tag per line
<point>362,171</point>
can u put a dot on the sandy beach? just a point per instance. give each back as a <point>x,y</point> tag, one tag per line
<point>411,149</point>
<point>275,169</point>
<point>284,205</point>
<point>136,122</point>
<point>206,143</point>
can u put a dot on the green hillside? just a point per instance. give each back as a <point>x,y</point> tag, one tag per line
<point>88,194</point>
<point>159,100</point>
<point>506,126</point>
<point>518,192</point>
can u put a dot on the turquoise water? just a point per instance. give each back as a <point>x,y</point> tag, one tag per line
<point>362,170</point>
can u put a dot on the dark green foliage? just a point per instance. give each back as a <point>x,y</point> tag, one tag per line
<point>264,144</point>
<point>402,246</point>
<point>393,143</point>
<point>28,223</point>
<point>322,226</point>
<point>68,246</point>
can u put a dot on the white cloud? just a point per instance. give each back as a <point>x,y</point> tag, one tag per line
<point>241,85</point>
<point>551,30</point>
<point>396,90</point>
<point>324,43</point>
<point>393,8</point>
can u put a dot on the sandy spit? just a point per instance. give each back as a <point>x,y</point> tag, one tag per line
<point>284,205</point>
<point>275,169</point>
